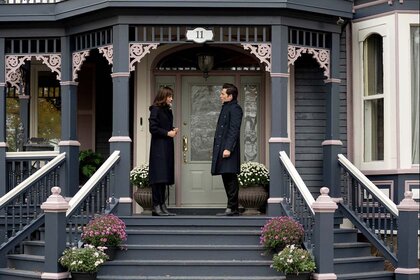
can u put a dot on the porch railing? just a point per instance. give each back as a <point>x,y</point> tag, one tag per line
<point>20,207</point>
<point>30,1</point>
<point>298,199</point>
<point>369,209</point>
<point>95,197</point>
<point>21,165</point>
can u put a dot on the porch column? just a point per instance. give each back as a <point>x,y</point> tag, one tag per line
<point>120,139</point>
<point>332,143</point>
<point>69,179</point>
<point>279,139</point>
<point>3,143</point>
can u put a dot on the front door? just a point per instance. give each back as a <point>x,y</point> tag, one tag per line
<point>200,110</point>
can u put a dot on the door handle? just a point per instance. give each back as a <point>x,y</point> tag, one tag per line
<point>185,147</point>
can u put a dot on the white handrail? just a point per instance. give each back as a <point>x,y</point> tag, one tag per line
<point>297,180</point>
<point>389,204</point>
<point>31,155</point>
<point>102,170</point>
<point>43,170</point>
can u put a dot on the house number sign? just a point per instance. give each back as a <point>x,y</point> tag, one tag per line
<point>199,35</point>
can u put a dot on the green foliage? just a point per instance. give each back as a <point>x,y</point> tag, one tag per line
<point>89,162</point>
<point>293,259</point>
<point>85,259</point>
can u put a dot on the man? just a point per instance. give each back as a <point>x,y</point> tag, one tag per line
<point>226,149</point>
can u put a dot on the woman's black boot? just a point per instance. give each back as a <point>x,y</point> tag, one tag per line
<point>157,211</point>
<point>165,210</point>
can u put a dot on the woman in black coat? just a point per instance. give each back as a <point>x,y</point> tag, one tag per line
<point>161,160</point>
<point>226,159</point>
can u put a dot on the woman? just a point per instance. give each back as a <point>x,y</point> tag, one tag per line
<point>161,160</point>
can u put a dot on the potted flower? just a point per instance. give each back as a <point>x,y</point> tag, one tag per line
<point>139,177</point>
<point>295,262</point>
<point>281,231</point>
<point>253,181</point>
<point>83,262</point>
<point>107,231</point>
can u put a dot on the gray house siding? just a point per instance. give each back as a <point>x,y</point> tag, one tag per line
<point>309,121</point>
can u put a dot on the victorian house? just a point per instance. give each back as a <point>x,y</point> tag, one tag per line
<point>330,93</point>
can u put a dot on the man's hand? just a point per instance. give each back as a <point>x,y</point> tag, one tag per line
<point>172,133</point>
<point>226,153</point>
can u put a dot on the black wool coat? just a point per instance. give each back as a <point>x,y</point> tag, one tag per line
<point>161,159</point>
<point>227,137</point>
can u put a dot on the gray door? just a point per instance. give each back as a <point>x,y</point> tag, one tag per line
<point>200,110</point>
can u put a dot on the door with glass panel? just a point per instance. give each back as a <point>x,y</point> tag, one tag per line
<point>200,110</point>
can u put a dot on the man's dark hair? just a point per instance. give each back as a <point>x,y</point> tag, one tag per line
<point>231,90</point>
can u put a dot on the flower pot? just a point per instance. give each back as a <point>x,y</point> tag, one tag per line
<point>143,197</point>
<point>83,275</point>
<point>300,276</point>
<point>111,251</point>
<point>252,198</point>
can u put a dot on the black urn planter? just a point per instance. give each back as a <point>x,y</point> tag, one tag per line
<point>143,197</point>
<point>252,198</point>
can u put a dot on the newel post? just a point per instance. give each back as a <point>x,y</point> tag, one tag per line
<point>324,208</point>
<point>55,232</point>
<point>408,225</point>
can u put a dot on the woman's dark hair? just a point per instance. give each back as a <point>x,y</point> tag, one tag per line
<point>162,95</point>
<point>231,90</point>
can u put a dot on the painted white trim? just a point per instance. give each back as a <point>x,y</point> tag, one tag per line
<point>69,83</point>
<point>400,270</point>
<point>332,143</point>
<point>324,276</point>
<point>307,196</point>
<point>69,143</point>
<point>3,145</point>
<point>87,187</point>
<point>372,188</point>
<point>2,84</point>
<point>332,80</point>
<point>119,139</point>
<point>51,275</point>
<point>275,200</point>
<point>24,96</point>
<point>390,183</point>
<point>31,179</point>
<point>32,155</point>
<point>120,74</point>
<point>125,200</point>
<point>279,140</point>
<point>390,171</point>
<point>279,75</point>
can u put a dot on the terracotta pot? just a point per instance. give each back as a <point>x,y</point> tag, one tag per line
<point>252,198</point>
<point>143,197</point>
<point>83,276</point>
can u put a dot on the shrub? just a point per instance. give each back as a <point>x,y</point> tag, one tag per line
<point>139,176</point>
<point>105,230</point>
<point>281,231</point>
<point>293,259</point>
<point>85,259</point>
<point>253,173</point>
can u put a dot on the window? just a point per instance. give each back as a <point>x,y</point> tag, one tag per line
<point>415,61</point>
<point>373,98</point>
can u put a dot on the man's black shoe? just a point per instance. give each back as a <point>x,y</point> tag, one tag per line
<point>229,212</point>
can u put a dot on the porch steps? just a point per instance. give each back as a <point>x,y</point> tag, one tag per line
<point>192,247</point>
<point>353,259</point>
<point>201,248</point>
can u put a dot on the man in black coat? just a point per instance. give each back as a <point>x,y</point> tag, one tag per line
<point>226,159</point>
